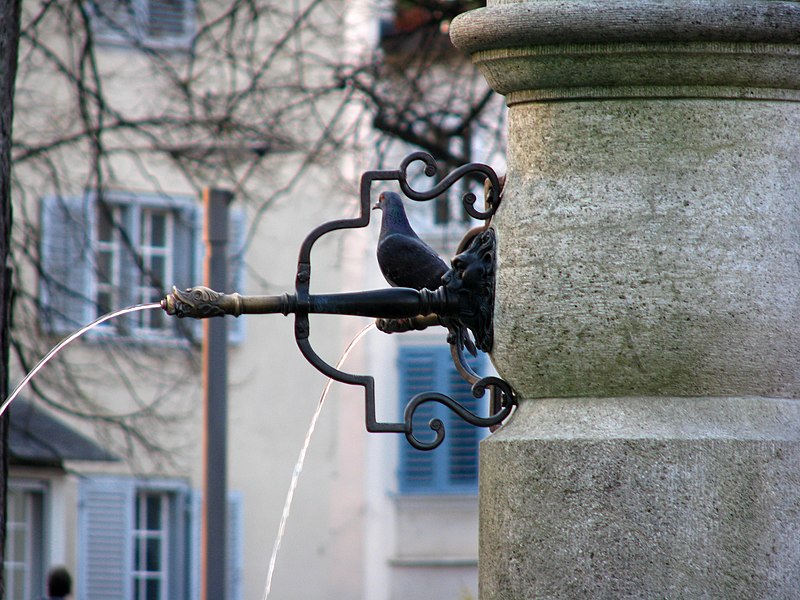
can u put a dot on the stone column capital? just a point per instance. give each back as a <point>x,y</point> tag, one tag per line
<point>551,49</point>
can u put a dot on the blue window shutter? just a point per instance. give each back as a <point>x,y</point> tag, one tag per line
<point>462,438</point>
<point>453,467</point>
<point>187,234</point>
<point>178,565</point>
<point>198,251</point>
<point>187,263</point>
<point>105,515</point>
<point>112,20</point>
<point>66,279</point>
<point>169,23</point>
<point>418,373</point>
<point>131,269</point>
<point>237,232</point>
<point>153,23</point>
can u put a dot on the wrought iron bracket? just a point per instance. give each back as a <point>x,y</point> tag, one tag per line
<point>466,295</point>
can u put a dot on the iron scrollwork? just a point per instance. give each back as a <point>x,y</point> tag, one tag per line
<point>468,289</point>
<point>467,295</point>
<point>500,410</point>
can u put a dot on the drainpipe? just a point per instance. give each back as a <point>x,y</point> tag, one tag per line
<point>647,309</point>
<point>215,392</point>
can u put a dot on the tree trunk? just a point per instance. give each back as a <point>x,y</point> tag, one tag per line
<point>9,41</point>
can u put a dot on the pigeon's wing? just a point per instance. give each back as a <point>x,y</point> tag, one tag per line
<point>407,261</point>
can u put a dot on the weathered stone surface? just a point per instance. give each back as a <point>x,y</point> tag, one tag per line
<point>647,306</point>
<point>650,247</point>
<point>519,23</point>
<point>550,49</point>
<point>631,498</point>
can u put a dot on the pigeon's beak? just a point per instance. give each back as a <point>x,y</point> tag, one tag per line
<point>377,205</point>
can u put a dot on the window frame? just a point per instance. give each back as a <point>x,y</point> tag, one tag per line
<point>141,536</point>
<point>133,29</point>
<point>131,259</point>
<point>107,534</point>
<point>35,538</point>
<point>70,253</point>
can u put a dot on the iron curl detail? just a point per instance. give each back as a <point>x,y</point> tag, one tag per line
<point>464,297</point>
<point>464,300</point>
<point>498,414</point>
<point>468,199</point>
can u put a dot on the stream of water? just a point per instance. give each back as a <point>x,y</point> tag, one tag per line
<point>298,468</point>
<point>301,459</point>
<point>67,340</point>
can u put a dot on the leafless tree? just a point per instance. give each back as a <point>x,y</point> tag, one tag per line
<point>251,99</point>
<point>9,39</point>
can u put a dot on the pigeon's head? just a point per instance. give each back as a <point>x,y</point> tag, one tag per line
<point>394,218</point>
<point>387,199</point>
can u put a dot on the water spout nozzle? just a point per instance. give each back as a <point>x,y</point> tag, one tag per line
<point>201,303</point>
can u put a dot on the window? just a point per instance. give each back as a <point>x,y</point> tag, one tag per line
<point>165,24</point>
<point>138,540</point>
<point>152,249</point>
<point>150,545</point>
<point>103,255</point>
<point>453,466</point>
<point>24,541</point>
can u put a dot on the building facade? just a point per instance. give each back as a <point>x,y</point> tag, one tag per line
<point>371,518</point>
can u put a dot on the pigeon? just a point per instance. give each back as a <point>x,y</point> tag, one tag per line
<point>406,261</point>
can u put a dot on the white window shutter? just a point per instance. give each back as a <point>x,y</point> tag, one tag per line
<point>234,547</point>
<point>237,232</point>
<point>66,253</point>
<point>105,515</point>
<point>113,20</point>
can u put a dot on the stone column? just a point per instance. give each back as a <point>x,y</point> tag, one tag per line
<point>648,299</point>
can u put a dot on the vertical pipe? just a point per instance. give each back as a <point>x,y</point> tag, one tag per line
<point>215,382</point>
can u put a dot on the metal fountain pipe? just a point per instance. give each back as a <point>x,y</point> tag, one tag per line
<point>392,303</point>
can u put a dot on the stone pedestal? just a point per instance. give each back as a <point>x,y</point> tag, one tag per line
<point>648,299</point>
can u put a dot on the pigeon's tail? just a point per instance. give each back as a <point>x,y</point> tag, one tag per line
<point>458,334</point>
<point>466,341</point>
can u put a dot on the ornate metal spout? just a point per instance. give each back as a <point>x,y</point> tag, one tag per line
<point>393,303</point>
<point>466,296</point>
